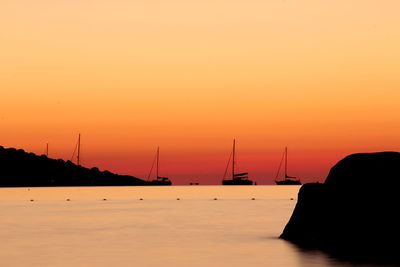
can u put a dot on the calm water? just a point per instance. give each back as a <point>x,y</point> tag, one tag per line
<point>159,230</point>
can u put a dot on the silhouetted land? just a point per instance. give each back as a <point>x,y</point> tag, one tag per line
<point>354,214</point>
<point>21,169</point>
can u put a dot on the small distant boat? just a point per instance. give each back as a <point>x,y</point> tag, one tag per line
<point>288,180</point>
<point>237,178</point>
<point>159,180</point>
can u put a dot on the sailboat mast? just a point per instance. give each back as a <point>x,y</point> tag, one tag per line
<point>79,149</point>
<point>158,156</point>
<point>233,159</point>
<point>285,162</point>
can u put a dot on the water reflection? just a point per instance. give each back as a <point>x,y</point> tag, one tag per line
<point>314,257</point>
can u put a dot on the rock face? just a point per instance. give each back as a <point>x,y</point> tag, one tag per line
<point>354,214</point>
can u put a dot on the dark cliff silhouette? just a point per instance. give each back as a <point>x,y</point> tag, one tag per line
<point>353,215</point>
<point>21,169</point>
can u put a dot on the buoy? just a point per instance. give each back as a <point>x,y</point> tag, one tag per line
<point>253,198</point>
<point>141,199</point>
<point>104,199</point>
<point>215,198</point>
<point>68,199</point>
<point>31,199</point>
<point>178,198</point>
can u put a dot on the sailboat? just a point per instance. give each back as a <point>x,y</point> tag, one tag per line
<point>46,151</point>
<point>288,180</point>
<point>77,147</point>
<point>159,180</point>
<point>237,178</point>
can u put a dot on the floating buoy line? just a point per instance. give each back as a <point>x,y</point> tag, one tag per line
<point>178,198</point>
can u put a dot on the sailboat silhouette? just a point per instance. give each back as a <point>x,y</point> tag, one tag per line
<point>158,180</point>
<point>77,147</point>
<point>237,178</point>
<point>287,180</point>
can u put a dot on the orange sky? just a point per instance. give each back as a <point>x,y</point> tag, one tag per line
<point>189,76</point>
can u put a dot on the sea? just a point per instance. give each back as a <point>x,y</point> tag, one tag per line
<point>151,226</point>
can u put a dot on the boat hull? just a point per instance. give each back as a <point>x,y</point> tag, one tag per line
<point>158,182</point>
<point>288,182</point>
<point>237,182</point>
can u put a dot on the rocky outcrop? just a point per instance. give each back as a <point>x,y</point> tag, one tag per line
<point>21,169</point>
<point>354,213</point>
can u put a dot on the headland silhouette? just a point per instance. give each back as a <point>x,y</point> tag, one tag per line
<point>21,169</point>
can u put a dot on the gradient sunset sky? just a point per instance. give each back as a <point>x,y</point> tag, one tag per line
<point>321,77</point>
